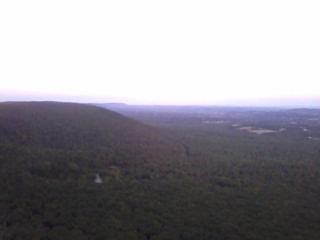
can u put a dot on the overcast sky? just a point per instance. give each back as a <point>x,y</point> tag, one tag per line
<point>160,52</point>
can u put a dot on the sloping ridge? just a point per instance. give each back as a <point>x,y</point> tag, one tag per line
<point>84,135</point>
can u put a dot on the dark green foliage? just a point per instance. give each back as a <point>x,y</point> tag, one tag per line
<point>181,179</point>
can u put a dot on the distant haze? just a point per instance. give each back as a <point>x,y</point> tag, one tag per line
<point>259,53</point>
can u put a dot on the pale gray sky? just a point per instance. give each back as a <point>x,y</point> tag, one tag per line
<point>160,52</point>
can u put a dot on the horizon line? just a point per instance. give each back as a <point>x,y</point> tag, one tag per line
<point>124,104</point>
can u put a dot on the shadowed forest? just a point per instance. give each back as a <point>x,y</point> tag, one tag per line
<point>165,173</point>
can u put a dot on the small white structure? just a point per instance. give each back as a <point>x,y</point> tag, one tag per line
<point>98,179</point>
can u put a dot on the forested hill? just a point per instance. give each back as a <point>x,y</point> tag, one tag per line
<point>73,126</point>
<point>50,157</point>
<point>78,140</point>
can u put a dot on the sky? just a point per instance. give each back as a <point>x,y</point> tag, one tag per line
<point>161,52</point>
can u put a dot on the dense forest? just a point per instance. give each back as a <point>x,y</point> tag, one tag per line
<point>164,173</point>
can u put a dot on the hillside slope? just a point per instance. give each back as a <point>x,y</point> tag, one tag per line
<point>50,156</point>
<point>69,126</point>
<point>97,137</point>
